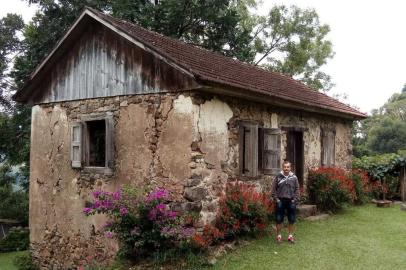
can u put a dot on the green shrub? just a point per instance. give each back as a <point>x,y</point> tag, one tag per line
<point>24,262</point>
<point>362,185</point>
<point>330,189</point>
<point>16,240</point>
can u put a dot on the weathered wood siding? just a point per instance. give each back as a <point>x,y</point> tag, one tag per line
<point>102,63</point>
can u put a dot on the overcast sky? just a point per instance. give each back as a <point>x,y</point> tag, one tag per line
<point>368,37</point>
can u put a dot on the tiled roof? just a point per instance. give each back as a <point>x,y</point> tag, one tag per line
<point>213,68</point>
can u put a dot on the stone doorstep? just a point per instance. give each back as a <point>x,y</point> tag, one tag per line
<point>306,210</point>
<point>317,217</point>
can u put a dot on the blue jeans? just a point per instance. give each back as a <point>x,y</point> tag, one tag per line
<point>285,206</point>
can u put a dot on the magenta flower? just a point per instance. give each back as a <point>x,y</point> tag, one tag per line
<point>117,195</point>
<point>96,194</point>
<point>188,232</point>
<point>123,211</point>
<point>171,214</point>
<point>160,207</point>
<point>87,210</point>
<point>158,194</point>
<point>109,234</point>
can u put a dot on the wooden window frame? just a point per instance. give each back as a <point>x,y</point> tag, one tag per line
<point>275,152</point>
<point>107,169</point>
<point>248,143</point>
<point>324,138</point>
<point>252,148</point>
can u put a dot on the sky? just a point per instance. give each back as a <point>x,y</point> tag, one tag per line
<point>368,39</point>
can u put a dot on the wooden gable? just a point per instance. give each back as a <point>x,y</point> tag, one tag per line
<point>101,63</point>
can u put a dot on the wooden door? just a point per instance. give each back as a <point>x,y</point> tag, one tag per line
<point>295,153</point>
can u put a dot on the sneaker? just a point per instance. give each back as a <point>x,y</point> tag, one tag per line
<point>279,239</point>
<point>291,239</point>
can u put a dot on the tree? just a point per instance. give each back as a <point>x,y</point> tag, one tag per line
<point>293,41</point>
<point>10,25</point>
<point>385,130</point>
<point>13,203</point>
<point>14,123</point>
<point>389,136</point>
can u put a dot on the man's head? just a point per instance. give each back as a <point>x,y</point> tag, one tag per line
<point>286,166</point>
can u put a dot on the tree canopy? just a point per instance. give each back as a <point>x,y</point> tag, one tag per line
<point>385,130</point>
<point>10,25</point>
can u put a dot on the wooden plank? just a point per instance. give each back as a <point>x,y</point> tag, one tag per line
<point>110,141</point>
<point>101,64</point>
<point>76,145</point>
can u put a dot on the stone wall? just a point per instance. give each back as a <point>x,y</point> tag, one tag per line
<point>187,143</point>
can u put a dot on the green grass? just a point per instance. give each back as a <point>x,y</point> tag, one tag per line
<point>6,260</point>
<point>363,237</point>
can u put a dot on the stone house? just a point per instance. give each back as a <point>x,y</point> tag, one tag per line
<point>115,104</point>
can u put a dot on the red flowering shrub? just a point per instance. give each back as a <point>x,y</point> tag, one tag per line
<point>362,185</point>
<point>243,210</point>
<point>331,188</point>
<point>211,235</point>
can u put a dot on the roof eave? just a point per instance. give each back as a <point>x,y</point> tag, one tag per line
<point>266,97</point>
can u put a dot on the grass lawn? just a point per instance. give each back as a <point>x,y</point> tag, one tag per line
<point>6,260</point>
<point>363,237</point>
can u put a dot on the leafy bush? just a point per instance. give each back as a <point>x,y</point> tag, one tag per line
<point>384,168</point>
<point>24,262</point>
<point>362,186</point>
<point>16,240</point>
<point>144,225</point>
<point>210,235</point>
<point>330,188</point>
<point>381,166</point>
<point>243,211</point>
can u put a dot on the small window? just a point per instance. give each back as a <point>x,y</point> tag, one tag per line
<point>92,142</point>
<point>96,138</point>
<point>328,147</point>
<point>270,150</point>
<point>260,150</point>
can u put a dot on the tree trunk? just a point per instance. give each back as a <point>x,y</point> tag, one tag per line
<point>402,179</point>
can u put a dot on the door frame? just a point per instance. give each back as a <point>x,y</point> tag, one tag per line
<point>299,134</point>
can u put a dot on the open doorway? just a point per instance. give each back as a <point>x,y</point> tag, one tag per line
<point>295,152</point>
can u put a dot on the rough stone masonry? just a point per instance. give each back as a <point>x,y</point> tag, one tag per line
<point>185,142</point>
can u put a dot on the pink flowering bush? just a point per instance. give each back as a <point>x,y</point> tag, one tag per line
<point>144,225</point>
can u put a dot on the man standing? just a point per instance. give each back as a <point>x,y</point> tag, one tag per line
<point>285,191</point>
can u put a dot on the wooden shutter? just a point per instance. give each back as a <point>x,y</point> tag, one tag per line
<point>110,141</point>
<point>248,149</point>
<point>271,151</point>
<point>327,148</point>
<point>76,144</point>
